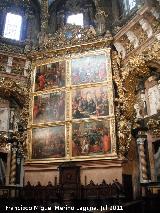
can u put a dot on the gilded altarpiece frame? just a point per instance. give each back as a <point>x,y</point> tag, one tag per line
<point>72,111</point>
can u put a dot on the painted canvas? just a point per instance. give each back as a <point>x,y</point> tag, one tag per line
<point>4,118</point>
<point>91,138</point>
<point>89,69</point>
<point>90,102</point>
<point>50,76</point>
<point>48,142</point>
<point>49,107</point>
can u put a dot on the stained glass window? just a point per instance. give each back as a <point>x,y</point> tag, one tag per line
<point>12,28</point>
<point>75,19</point>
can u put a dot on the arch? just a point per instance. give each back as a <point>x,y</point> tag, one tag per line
<point>10,90</point>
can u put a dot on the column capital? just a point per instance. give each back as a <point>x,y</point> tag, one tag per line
<point>140,141</point>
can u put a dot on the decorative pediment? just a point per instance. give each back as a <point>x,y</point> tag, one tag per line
<point>69,35</point>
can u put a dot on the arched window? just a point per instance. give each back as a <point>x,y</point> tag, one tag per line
<point>75,12</point>
<point>12,28</point>
<point>76,19</point>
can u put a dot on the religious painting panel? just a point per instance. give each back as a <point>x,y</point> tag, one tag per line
<point>49,107</point>
<point>90,102</point>
<point>89,69</point>
<point>91,138</point>
<point>50,76</point>
<point>48,142</point>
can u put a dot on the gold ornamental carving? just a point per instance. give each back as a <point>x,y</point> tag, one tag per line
<point>20,93</point>
<point>70,39</point>
<point>126,77</point>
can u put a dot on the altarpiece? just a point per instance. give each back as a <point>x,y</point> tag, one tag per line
<point>72,110</point>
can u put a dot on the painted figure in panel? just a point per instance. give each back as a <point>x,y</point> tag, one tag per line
<point>50,76</point>
<point>89,69</point>
<point>48,142</point>
<point>90,102</point>
<point>49,107</point>
<point>91,138</point>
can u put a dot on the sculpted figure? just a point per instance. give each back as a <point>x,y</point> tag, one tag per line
<point>155,13</point>
<point>120,49</point>
<point>101,22</point>
<point>138,111</point>
<point>133,39</point>
<point>15,127</point>
<point>146,27</point>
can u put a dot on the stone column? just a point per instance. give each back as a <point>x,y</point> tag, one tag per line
<point>142,159</point>
<point>115,10</point>
<point>20,164</point>
<point>27,67</point>
<point>44,16</point>
<point>30,17</point>
<point>8,165</point>
<point>86,16</point>
<point>13,165</point>
<point>44,23</point>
